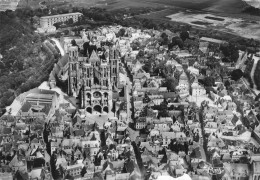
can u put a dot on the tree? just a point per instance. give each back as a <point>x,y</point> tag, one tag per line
<point>97,161</point>
<point>236,74</point>
<point>230,51</point>
<point>165,40</point>
<point>184,35</point>
<point>57,25</point>
<point>209,81</point>
<point>70,21</point>
<point>173,146</point>
<point>171,83</point>
<point>66,32</point>
<point>85,48</point>
<point>73,42</point>
<point>257,75</point>
<point>121,32</point>
<point>147,67</point>
<point>83,171</point>
<point>140,54</point>
<point>163,109</point>
<point>177,41</point>
<point>164,35</point>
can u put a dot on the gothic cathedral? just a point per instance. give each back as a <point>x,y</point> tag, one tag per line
<point>93,78</point>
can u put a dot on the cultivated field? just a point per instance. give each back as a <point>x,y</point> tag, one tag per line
<point>61,3</point>
<point>8,5</point>
<point>231,6</point>
<point>236,26</point>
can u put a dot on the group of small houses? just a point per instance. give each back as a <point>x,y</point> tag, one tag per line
<point>228,140</point>
<point>170,145</point>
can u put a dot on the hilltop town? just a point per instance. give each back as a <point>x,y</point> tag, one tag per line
<point>127,103</point>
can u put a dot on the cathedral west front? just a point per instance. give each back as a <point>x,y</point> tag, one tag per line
<point>93,78</point>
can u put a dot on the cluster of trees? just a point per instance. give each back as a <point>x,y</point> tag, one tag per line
<point>176,40</point>
<point>247,72</point>
<point>121,33</point>
<point>208,81</point>
<point>236,74</point>
<point>168,72</point>
<point>162,109</point>
<point>257,75</point>
<point>252,11</point>
<point>230,51</point>
<point>87,48</point>
<point>171,83</point>
<point>177,147</point>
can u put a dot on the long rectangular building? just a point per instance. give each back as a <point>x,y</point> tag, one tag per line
<point>47,21</point>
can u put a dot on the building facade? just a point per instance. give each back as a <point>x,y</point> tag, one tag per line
<point>93,78</point>
<point>48,21</point>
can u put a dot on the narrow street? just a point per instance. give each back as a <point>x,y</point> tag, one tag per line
<point>204,151</point>
<point>130,93</point>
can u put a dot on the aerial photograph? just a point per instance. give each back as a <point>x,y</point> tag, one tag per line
<point>129,89</point>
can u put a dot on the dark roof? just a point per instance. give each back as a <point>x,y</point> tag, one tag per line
<point>76,119</point>
<point>38,162</point>
<point>42,91</point>
<point>26,107</point>
<point>93,138</point>
<point>79,132</point>
<point>234,119</point>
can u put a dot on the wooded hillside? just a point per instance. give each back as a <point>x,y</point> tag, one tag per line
<point>26,61</point>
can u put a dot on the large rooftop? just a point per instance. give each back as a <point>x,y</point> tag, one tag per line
<point>61,15</point>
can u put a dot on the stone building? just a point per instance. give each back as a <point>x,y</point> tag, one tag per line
<point>93,78</point>
<point>48,21</point>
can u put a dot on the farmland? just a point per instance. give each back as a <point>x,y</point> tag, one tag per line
<point>222,15</point>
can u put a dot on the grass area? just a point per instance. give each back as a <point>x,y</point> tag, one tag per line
<point>159,14</point>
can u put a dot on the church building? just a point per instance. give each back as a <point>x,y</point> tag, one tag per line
<point>93,78</point>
